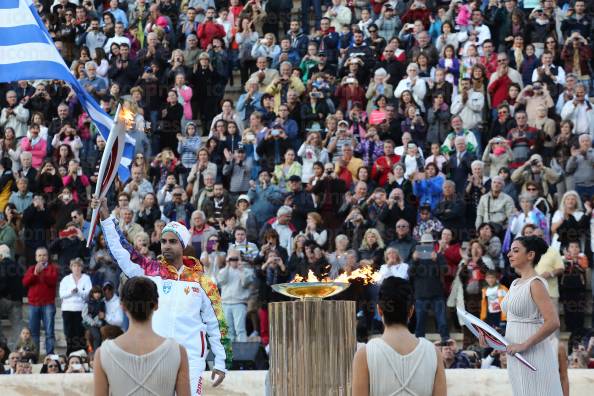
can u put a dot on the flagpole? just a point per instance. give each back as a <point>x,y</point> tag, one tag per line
<point>110,161</point>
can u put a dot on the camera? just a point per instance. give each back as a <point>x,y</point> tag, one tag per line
<point>534,162</point>
<point>328,172</point>
<point>275,132</point>
<point>317,95</point>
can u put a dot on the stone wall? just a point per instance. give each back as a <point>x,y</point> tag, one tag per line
<point>251,383</point>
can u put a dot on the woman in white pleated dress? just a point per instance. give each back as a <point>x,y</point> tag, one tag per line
<point>398,363</point>
<point>531,320</point>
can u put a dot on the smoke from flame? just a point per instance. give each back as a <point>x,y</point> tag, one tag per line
<point>365,273</point>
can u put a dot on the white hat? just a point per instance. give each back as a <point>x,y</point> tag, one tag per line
<point>80,353</point>
<point>243,197</point>
<point>180,231</point>
<point>381,72</point>
<point>284,210</point>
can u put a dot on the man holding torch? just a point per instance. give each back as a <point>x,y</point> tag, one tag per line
<point>190,305</point>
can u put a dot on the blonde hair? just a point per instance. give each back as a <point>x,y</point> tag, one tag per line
<point>579,205</point>
<point>378,237</point>
<point>317,218</point>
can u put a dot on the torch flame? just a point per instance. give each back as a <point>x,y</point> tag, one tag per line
<point>127,117</point>
<point>365,273</point>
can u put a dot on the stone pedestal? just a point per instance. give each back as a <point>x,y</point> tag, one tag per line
<point>312,344</point>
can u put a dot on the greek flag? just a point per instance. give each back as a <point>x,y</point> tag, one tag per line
<point>27,52</point>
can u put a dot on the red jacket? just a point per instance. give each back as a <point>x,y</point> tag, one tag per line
<point>382,176</point>
<point>42,287</point>
<point>208,31</point>
<point>490,64</point>
<point>498,90</point>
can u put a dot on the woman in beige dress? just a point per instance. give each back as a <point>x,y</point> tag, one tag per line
<point>139,362</point>
<point>398,363</point>
<point>531,319</point>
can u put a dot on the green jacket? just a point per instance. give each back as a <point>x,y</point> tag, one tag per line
<point>8,237</point>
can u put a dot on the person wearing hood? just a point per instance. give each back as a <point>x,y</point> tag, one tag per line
<point>194,312</point>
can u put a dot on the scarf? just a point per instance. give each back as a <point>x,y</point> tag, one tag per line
<point>518,56</point>
<point>36,140</point>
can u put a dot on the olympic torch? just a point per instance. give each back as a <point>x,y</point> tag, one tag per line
<point>110,161</point>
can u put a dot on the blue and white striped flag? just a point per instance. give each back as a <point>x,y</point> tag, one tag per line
<point>27,52</point>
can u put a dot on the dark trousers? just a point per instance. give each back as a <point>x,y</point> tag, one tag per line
<point>493,319</point>
<point>306,5</point>
<point>247,67</point>
<point>74,331</point>
<point>422,307</point>
<point>574,308</point>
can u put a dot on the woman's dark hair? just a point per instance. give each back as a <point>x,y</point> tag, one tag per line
<point>534,244</point>
<point>6,349</point>
<point>432,165</point>
<point>100,55</point>
<point>110,15</point>
<point>110,332</point>
<point>380,97</point>
<point>44,368</point>
<point>140,298</point>
<point>95,289</point>
<point>395,300</point>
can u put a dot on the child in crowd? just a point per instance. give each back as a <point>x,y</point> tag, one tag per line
<point>93,316</point>
<point>493,295</point>
<point>26,346</point>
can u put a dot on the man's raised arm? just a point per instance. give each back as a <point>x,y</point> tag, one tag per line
<point>130,261</point>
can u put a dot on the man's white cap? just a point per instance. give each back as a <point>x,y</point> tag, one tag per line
<point>180,231</point>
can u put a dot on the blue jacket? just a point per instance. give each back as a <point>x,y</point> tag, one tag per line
<point>169,211</point>
<point>245,108</point>
<point>429,191</point>
<point>265,202</point>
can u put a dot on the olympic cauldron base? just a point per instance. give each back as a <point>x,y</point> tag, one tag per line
<point>312,344</point>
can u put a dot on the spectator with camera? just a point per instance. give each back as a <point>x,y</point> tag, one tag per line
<point>74,290</point>
<point>15,115</point>
<point>425,272</point>
<point>41,279</point>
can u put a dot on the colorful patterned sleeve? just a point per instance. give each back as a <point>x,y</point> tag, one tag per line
<point>216,326</point>
<point>129,259</point>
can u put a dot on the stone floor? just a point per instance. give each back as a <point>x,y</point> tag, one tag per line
<point>251,383</point>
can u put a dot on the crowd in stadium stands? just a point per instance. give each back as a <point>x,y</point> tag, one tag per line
<point>417,137</point>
